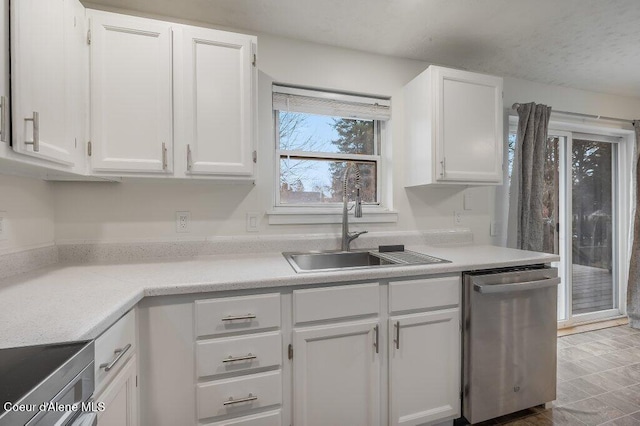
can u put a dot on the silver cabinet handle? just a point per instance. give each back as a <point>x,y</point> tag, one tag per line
<point>239,317</point>
<point>504,288</point>
<point>164,156</point>
<point>36,131</point>
<point>246,357</point>
<point>3,119</point>
<point>443,163</point>
<point>231,401</point>
<point>119,353</point>
<point>376,336</point>
<point>189,159</point>
<point>397,339</point>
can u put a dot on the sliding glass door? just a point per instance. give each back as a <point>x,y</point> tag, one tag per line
<point>579,215</point>
<point>590,236</point>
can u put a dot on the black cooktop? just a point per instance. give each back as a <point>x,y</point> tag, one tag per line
<point>22,369</point>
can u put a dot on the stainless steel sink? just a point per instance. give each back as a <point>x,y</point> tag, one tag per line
<point>340,260</point>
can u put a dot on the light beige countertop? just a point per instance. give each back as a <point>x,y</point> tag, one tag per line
<point>66,302</point>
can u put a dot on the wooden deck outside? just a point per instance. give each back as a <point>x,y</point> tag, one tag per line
<point>592,289</point>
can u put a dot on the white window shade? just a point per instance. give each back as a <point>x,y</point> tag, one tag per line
<point>333,104</point>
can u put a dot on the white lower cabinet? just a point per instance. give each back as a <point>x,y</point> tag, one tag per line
<point>424,367</point>
<point>336,375</point>
<point>116,373</point>
<point>120,398</point>
<point>326,355</point>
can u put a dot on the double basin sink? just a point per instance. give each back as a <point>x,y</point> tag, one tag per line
<point>360,259</point>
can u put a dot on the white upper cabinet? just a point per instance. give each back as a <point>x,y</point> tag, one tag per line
<point>215,102</point>
<point>45,60</point>
<point>131,94</point>
<point>453,128</point>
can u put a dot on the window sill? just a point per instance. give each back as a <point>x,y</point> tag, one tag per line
<point>315,216</point>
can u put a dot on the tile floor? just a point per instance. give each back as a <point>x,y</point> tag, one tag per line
<point>598,382</point>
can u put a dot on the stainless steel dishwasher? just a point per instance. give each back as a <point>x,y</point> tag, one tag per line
<point>509,341</point>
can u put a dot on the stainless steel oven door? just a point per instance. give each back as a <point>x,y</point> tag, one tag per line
<point>67,406</point>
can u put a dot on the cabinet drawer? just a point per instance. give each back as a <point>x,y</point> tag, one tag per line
<point>251,392</point>
<point>335,302</point>
<point>271,418</point>
<point>231,314</point>
<point>424,294</point>
<point>114,347</point>
<point>250,352</point>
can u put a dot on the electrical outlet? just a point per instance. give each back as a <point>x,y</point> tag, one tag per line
<point>183,221</point>
<point>3,226</point>
<point>457,218</point>
<point>253,222</point>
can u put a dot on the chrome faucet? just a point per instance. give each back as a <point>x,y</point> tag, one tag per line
<point>347,236</point>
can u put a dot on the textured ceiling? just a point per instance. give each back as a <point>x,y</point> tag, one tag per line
<point>586,44</point>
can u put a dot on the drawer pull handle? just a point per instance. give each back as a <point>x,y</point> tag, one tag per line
<point>232,401</point>
<point>247,357</point>
<point>397,339</point>
<point>119,354</point>
<point>238,317</point>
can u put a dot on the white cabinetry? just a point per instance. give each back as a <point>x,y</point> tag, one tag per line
<point>46,83</point>
<point>131,94</point>
<point>453,128</point>
<point>336,366</point>
<point>317,356</point>
<point>238,374</point>
<point>215,102</point>
<point>120,398</point>
<point>337,374</point>
<point>136,100</point>
<point>116,373</point>
<point>424,358</point>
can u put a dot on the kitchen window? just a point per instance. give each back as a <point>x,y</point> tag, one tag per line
<point>317,133</point>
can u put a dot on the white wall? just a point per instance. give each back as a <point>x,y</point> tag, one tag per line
<point>27,207</point>
<point>136,210</point>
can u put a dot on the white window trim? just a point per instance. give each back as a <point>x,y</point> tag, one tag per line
<point>381,212</point>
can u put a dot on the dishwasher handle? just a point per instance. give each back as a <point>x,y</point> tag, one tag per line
<point>521,286</point>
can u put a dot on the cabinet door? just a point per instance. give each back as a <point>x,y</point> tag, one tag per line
<point>469,126</point>
<point>215,85</point>
<point>336,375</point>
<point>424,367</point>
<point>120,398</point>
<point>41,84</point>
<point>131,94</point>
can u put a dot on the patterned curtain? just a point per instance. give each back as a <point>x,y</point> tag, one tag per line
<point>527,178</point>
